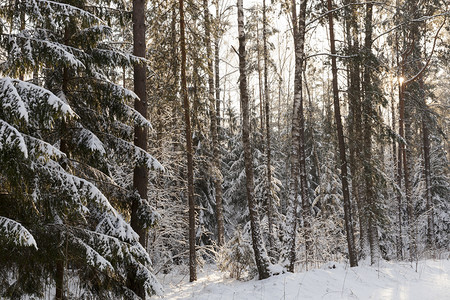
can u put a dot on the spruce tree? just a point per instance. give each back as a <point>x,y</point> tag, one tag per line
<point>60,136</point>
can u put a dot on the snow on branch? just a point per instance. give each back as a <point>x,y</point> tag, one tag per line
<point>151,284</point>
<point>93,258</point>
<point>32,95</point>
<point>15,232</point>
<point>11,100</point>
<point>76,186</point>
<point>10,136</point>
<point>39,147</point>
<point>86,138</point>
<point>114,225</point>
<point>116,89</point>
<point>57,8</point>
<point>137,117</point>
<point>137,154</point>
<point>115,56</point>
<point>23,49</point>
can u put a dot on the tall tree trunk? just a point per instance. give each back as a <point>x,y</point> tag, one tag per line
<point>406,172</point>
<point>342,155</point>
<point>140,174</point>
<point>427,175</point>
<point>270,206</point>
<point>217,69</point>
<point>217,175</point>
<point>369,111</point>
<point>258,247</point>
<point>260,85</point>
<point>355,123</point>
<point>297,155</point>
<point>398,179</point>
<point>189,154</point>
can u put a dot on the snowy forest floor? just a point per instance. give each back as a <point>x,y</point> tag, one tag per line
<point>387,280</point>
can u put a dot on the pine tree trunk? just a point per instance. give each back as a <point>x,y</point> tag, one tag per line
<point>59,280</point>
<point>140,175</point>
<point>219,201</point>
<point>368,109</point>
<point>355,123</point>
<point>270,206</point>
<point>427,175</point>
<point>407,134</point>
<point>217,74</point>
<point>189,154</point>
<point>262,262</point>
<point>397,158</point>
<point>260,85</point>
<point>217,175</point>
<point>342,155</point>
<point>427,168</point>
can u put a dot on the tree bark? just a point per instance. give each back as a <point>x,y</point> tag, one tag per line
<point>189,154</point>
<point>342,155</point>
<point>427,175</point>
<point>262,262</point>
<point>217,70</point>
<point>398,165</point>
<point>297,156</point>
<point>355,123</point>
<point>270,206</point>
<point>217,175</point>
<point>368,109</point>
<point>140,174</point>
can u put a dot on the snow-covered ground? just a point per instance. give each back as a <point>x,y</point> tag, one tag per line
<point>388,280</point>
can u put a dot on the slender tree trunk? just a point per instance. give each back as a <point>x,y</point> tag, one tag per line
<point>355,123</point>
<point>217,175</point>
<point>342,155</point>
<point>270,206</point>
<point>217,69</point>
<point>407,179</point>
<point>262,262</point>
<point>427,175</point>
<point>297,156</point>
<point>369,111</point>
<point>398,164</point>
<point>427,167</point>
<point>260,85</point>
<point>189,154</point>
<point>140,175</point>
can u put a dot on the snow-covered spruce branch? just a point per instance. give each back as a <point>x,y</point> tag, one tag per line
<point>63,9</point>
<point>16,233</point>
<point>39,147</point>
<point>137,154</point>
<point>56,51</point>
<point>11,99</point>
<point>83,137</point>
<point>11,137</point>
<point>74,184</point>
<point>117,56</point>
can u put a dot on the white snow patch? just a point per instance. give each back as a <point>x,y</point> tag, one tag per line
<point>389,280</point>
